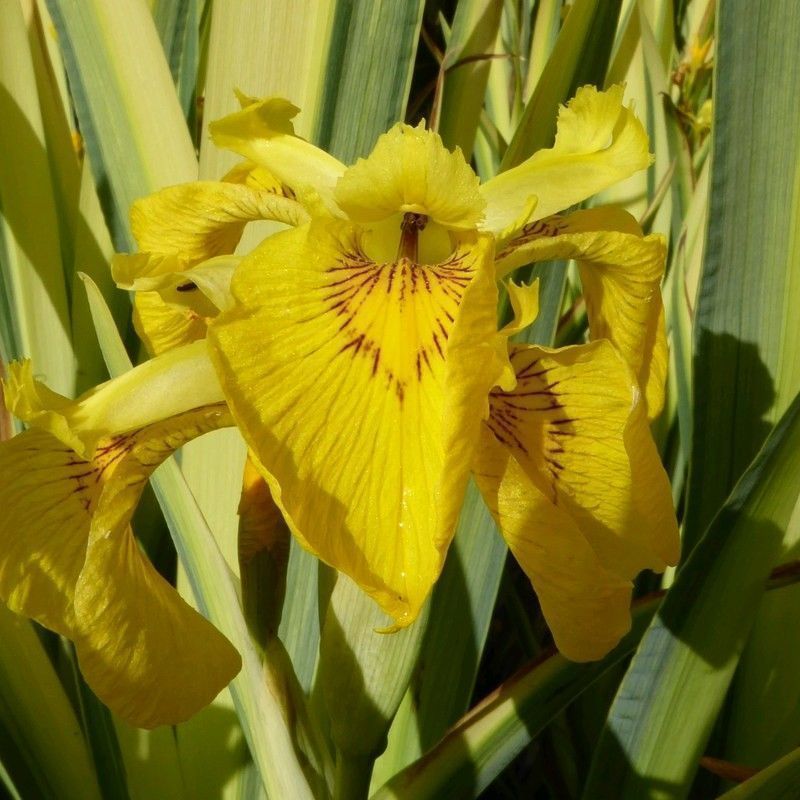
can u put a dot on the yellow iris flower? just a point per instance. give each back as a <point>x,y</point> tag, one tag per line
<point>358,353</point>
<point>360,356</point>
<point>69,486</point>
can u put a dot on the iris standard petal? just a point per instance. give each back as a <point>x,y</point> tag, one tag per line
<point>410,170</point>
<point>576,426</point>
<point>621,272</point>
<point>360,386</point>
<point>585,605</point>
<point>598,143</point>
<point>263,132</point>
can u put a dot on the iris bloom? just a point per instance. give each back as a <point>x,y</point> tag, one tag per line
<point>359,353</point>
<point>68,488</point>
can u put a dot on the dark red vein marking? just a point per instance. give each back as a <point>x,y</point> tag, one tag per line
<point>437,345</point>
<point>356,343</point>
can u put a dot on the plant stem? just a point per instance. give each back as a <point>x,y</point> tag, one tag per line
<point>353,773</point>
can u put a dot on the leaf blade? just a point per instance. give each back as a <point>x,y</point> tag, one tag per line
<point>666,706</point>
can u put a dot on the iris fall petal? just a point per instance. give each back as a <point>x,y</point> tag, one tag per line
<point>621,271</point>
<point>360,387</point>
<point>585,605</point>
<point>576,426</point>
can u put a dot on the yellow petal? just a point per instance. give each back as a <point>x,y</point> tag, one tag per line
<point>250,174</point>
<point>410,170</point>
<point>146,272</point>
<point>586,606</point>
<point>307,196</point>
<point>200,220</point>
<point>163,325</point>
<point>263,132</point>
<point>621,273</point>
<point>213,278</point>
<point>576,426</point>
<point>143,272</point>
<point>172,306</point>
<point>524,304</point>
<point>360,387</point>
<point>147,655</point>
<point>48,494</point>
<point>598,143</point>
<point>160,388</point>
<point>68,560</point>
<point>261,526</point>
<point>256,177</point>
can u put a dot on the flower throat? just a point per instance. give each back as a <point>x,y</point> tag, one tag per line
<point>410,228</point>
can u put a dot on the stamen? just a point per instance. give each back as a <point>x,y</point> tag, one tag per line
<point>410,228</point>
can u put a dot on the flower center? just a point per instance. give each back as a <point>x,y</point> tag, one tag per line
<point>409,235</point>
<point>410,229</point>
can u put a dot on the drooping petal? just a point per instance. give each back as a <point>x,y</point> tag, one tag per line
<point>360,387</point>
<point>598,143</point>
<point>621,273</point>
<point>68,560</point>
<point>586,606</point>
<point>200,220</point>
<point>410,170</point>
<point>263,132</point>
<point>160,388</point>
<point>51,476</point>
<point>576,426</point>
<point>48,494</point>
<point>146,653</point>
